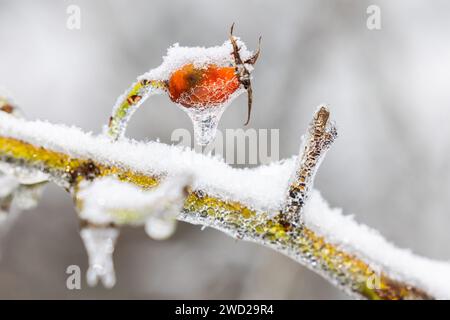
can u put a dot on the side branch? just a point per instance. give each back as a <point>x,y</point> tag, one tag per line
<point>129,102</point>
<point>320,136</point>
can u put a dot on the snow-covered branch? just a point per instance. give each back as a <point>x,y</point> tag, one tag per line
<point>126,182</point>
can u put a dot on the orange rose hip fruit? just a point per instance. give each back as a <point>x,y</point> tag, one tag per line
<point>203,87</point>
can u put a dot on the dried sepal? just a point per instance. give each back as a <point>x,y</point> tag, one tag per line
<point>243,72</point>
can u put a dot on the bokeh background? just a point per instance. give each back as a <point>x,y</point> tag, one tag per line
<point>387,89</point>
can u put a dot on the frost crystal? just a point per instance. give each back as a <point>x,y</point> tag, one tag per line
<point>99,243</point>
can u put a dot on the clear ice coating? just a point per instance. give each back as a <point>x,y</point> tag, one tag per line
<point>160,228</point>
<point>205,122</point>
<point>99,243</point>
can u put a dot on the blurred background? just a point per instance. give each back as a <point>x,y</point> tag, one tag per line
<point>387,90</point>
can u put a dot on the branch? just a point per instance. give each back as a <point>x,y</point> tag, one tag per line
<point>245,204</point>
<point>320,136</point>
<point>129,102</point>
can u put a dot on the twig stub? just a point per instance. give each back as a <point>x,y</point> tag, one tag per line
<point>318,140</point>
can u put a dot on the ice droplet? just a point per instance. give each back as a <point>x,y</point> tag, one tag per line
<point>99,243</point>
<point>160,228</point>
<point>205,122</point>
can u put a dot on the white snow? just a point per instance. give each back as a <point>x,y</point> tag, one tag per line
<point>102,205</point>
<point>178,56</point>
<point>261,188</point>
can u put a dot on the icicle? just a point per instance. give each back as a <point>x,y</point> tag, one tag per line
<point>205,123</point>
<point>99,243</point>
